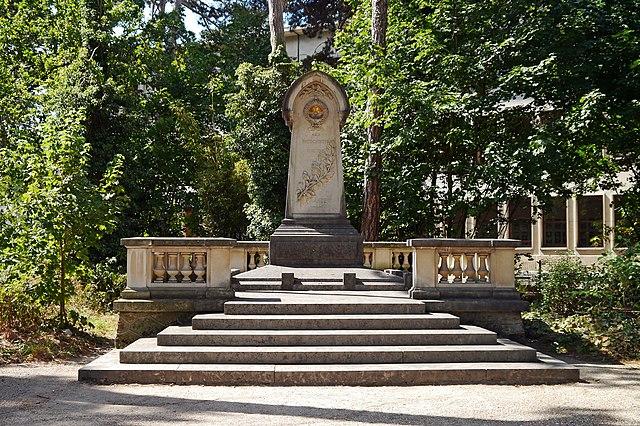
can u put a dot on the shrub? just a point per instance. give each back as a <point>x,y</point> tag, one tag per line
<point>18,308</point>
<point>600,302</point>
<point>562,286</point>
<point>105,281</point>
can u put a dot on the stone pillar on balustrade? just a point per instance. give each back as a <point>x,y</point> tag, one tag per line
<point>169,280</point>
<point>471,278</point>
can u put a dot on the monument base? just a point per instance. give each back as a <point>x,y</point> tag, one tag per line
<point>316,243</point>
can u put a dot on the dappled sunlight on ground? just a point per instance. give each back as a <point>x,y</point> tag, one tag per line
<point>49,393</point>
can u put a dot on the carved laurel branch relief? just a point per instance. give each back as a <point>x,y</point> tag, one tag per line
<point>322,170</point>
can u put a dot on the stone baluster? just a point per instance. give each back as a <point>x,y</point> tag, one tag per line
<point>172,267</point>
<point>185,267</point>
<point>470,269</point>
<point>483,273</point>
<point>443,270</point>
<point>395,261</point>
<point>252,261</point>
<point>405,261</point>
<point>367,259</point>
<point>199,265</point>
<point>158,267</point>
<point>457,270</point>
<point>260,260</point>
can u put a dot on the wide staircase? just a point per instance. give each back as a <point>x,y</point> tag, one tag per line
<point>366,338</point>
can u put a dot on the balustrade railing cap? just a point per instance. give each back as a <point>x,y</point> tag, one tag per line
<point>462,242</point>
<point>261,244</point>
<point>177,241</point>
<point>385,244</point>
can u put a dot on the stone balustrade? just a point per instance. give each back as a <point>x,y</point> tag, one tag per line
<point>171,279</point>
<point>178,267</point>
<point>249,255</point>
<point>446,264</point>
<point>185,267</point>
<point>387,255</point>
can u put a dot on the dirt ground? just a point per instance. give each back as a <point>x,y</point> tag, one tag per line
<point>50,394</point>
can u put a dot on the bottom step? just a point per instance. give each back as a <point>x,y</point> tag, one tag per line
<point>107,370</point>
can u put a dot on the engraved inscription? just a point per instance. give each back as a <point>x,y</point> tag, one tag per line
<point>320,202</point>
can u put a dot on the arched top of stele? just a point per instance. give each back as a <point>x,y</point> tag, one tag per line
<point>319,80</point>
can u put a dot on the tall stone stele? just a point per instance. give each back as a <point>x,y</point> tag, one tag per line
<point>315,231</point>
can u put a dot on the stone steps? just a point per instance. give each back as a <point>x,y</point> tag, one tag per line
<point>147,351</point>
<point>186,336</point>
<point>326,338</point>
<point>335,308</point>
<point>325,322</point>
<point>109,370</point>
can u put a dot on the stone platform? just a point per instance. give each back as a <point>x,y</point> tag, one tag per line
<point>270,278</point>
<point>326,338</point>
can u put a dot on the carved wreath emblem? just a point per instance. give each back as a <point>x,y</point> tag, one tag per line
<point>322,170</point>
<point>316,112</point>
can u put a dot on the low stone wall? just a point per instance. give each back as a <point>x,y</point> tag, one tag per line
<point>146,318</point>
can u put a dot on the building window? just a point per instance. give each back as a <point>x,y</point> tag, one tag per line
<point>554,223</point>
<point>520,220</point>
<point>590,221</point>
<point>487,223</point>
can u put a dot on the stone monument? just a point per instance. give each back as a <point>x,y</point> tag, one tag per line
<point>315,230</point>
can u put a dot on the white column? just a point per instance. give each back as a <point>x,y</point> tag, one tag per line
<point>502,267</point>
<point>572,224</point>
<point>469,226</point>
<point>239,259</point>
<point>381,258</point>
<point>425,268</point>
<point>609,220</point>
<point>537,229</point>
<point>503,220</point>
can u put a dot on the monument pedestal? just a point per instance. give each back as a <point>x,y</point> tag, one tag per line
<point>316,243</point>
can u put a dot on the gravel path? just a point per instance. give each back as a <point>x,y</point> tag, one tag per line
<point>35,394</point>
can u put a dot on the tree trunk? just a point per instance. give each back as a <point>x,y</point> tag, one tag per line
<point>370,227</point>
<point>63,296</point>
<point>370,223</point>
<point>276,23</point>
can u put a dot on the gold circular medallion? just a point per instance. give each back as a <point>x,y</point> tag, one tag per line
<point>316,112</point>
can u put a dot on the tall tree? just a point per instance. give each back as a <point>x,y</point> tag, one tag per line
<point>371,206</point>
<point>276,24</point>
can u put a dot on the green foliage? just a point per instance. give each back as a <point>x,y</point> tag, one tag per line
<point>563,287</point>
<point>600,302</point>
<point>104,282</point>
<point>112,125</point>
<point>53,213</point>
<point>262,139</point>
<point>489,101</point>
<point>221,184</point>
